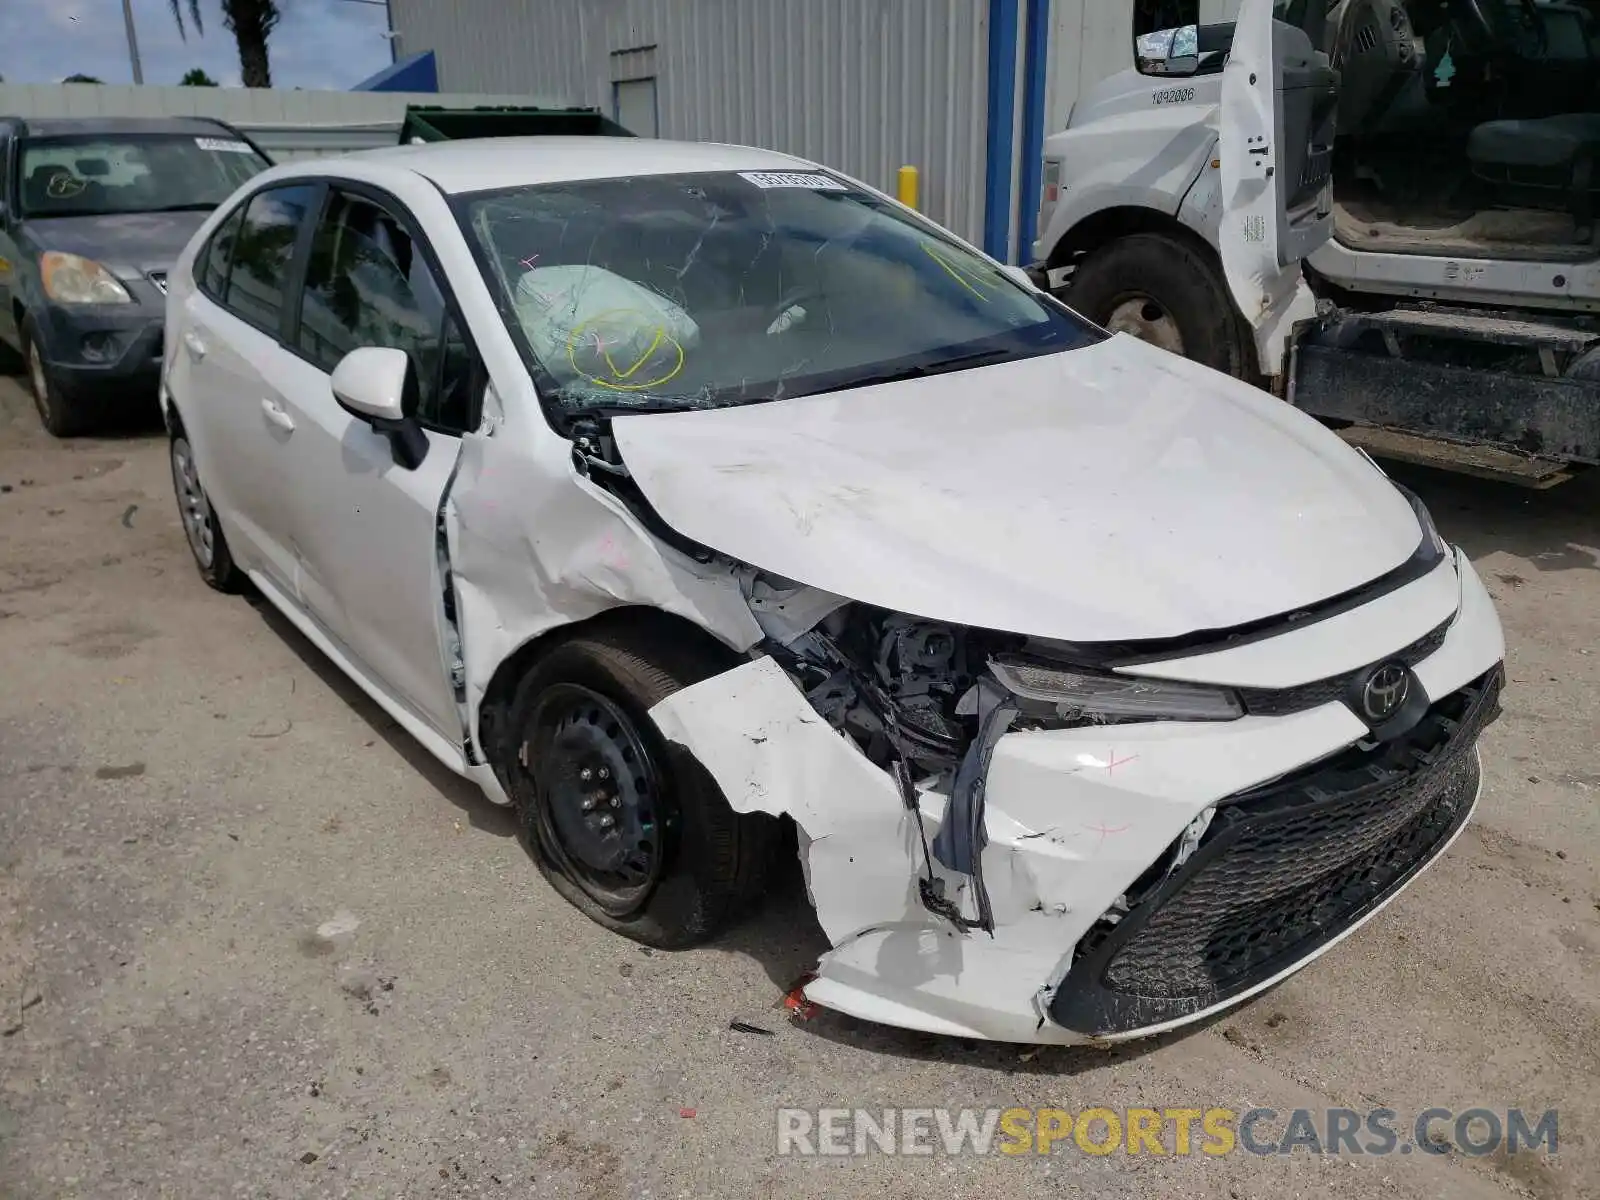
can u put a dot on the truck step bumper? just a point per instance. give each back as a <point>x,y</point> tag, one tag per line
<point>1528,390</point>
<point>1465,458</point>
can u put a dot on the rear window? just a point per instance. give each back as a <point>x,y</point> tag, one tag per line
<point>91,175</point>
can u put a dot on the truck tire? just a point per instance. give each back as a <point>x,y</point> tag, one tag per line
<point>1165,291</point>
<point>632,833</point>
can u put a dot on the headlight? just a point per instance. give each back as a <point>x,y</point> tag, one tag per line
<point>1430,531</point>
<point>1118,697</point>
<point>70,279</point>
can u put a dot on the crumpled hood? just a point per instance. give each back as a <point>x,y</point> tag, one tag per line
<point>137,242</point>
<point>1105,494</point>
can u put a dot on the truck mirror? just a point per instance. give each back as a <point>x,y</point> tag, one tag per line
<point>1168,52</point>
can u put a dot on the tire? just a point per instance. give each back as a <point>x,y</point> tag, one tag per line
<point>587,702</point>
<point>200,525</point>
<point>1153,286</point>
<point>62,414</point>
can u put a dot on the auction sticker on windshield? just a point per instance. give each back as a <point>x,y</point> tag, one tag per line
<point>789,179</point>
<point>223,145</point>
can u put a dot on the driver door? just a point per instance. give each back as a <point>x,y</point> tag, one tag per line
<point>364,530</point>
<point>1276,130</point>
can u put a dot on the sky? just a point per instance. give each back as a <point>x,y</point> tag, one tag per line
<point>318,43</point>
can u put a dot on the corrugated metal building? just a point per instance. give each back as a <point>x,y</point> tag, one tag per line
<point>964,90</point>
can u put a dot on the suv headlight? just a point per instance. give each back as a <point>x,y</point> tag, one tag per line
<point>1080,694</point>
<point>72,279</point>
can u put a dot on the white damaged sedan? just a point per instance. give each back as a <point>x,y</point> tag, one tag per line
<point>676,493</point>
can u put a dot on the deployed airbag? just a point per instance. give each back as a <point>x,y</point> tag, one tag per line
<point>587,323</point>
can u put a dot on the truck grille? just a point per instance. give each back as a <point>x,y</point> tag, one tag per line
<point>1281,871</point>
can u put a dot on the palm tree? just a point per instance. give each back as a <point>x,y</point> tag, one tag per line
<point>251,22</point>
<point>194,15</point>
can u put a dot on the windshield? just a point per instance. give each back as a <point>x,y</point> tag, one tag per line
<point>675,291</point>
<point>97,175</point>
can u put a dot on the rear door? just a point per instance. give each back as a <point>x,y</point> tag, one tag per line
<point>1276,127</point>
<point>222,379</point>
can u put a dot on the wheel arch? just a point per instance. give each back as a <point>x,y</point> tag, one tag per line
<point>492,724</point>
<point>1110,224</point>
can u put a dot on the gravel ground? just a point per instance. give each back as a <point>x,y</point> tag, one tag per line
<point>189,794</point>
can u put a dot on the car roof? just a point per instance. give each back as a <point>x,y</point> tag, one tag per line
<point>486,164</point>
<point>79,126</point>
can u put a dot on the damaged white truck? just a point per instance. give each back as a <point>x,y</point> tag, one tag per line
<point>1383,209</point>
<point>678,493</point>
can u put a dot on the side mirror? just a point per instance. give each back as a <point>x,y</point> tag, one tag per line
<point>378,385</point>
<point>1168,52</point>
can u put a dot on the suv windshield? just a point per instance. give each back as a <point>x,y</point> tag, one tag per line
<point>674,291</point>
<point>92,175</point>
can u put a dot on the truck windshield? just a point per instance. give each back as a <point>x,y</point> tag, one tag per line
<point>710,289</point>
<point>131,173</point>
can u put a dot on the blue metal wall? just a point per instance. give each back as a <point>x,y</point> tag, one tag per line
<point>1018,29</point>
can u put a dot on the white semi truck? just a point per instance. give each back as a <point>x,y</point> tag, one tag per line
<point>1385,210</point>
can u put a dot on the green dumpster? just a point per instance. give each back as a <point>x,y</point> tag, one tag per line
<point>426,123</point>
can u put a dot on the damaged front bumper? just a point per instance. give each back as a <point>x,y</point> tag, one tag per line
<point>1290,833</point>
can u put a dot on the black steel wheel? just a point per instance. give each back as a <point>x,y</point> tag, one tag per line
<point>632,832</point>
<point>604,810</point>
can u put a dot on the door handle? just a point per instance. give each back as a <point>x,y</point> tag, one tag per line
<point>193,344</point>
<point>273,411</point>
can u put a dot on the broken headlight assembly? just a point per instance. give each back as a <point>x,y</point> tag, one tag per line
<point>1046,690</point>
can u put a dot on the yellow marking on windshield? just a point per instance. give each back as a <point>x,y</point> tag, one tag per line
<point>63,186</point>
<point>649,350</point>
<point>967,277</point>
<point>588,331</point>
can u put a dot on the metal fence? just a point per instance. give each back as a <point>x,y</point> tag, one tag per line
<point>286,124</point>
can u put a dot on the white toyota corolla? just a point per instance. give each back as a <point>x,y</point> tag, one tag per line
<point>672,492</point>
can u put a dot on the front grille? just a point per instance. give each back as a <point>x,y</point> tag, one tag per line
<point>1280,871</point>
<point>1280,702</point>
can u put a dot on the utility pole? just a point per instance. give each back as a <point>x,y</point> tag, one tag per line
<point>133,41</point>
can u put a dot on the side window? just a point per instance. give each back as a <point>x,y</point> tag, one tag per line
<point>367,284</point>
<point>213,261</point>
<point>1151,16</point>
<point>5,167</point>
<point>262,249</point>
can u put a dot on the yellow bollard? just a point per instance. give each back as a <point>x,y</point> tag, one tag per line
<point>907,193</point>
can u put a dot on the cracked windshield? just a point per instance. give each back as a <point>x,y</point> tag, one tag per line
<point>677,291</point>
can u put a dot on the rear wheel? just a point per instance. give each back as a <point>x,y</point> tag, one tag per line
<point>200,527</point>
<point>62,414</point>
<point>637,837</point>
<point>1167,292</point>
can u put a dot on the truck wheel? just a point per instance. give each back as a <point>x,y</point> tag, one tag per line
<point>636,837</point>
<point>1166,292</point>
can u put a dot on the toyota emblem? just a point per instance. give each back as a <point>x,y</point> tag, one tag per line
<point>1384,692</point>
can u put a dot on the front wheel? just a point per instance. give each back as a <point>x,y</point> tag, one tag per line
<point>62,414</point>
<point>636,836</point>
<point>1167,292</point>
